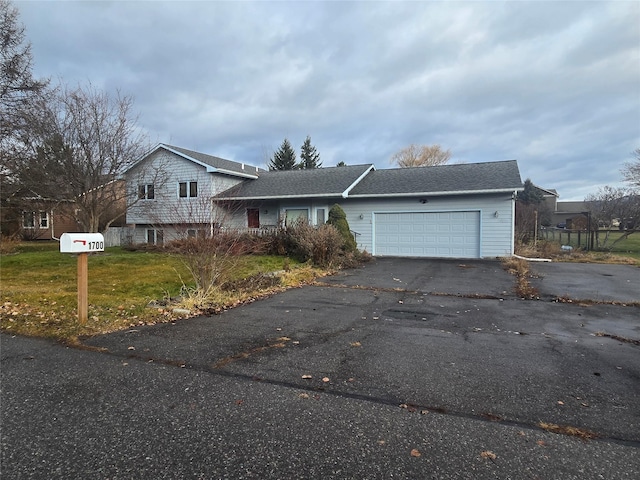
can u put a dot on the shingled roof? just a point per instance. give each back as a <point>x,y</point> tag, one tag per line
<point>317,182</point>
<point>454,179</point>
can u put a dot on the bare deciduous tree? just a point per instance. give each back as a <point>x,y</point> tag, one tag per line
<point>631,170</point>
<point>621,204</point>
<point>82,140</point>
<point>421,156</point>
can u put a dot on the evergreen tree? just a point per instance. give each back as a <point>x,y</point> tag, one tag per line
<point>530,195</point>
<point>284,158</point>
<point>338,219</point>
<point>341,164</point>
<point>309,156</point>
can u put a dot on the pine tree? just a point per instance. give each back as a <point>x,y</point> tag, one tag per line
<point>284,158</point>
<point>309,156</point>
<point>530,195</point>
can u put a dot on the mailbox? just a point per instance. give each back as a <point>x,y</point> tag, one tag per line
<point>81,242</point>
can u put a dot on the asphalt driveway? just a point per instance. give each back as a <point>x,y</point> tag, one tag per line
<point>401,369</point>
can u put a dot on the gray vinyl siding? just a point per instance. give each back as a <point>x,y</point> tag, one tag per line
<point>167,207</point>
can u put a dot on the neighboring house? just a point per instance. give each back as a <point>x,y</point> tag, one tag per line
<point>32,217</point>
<point>457,211</point>
<point>567,213</point>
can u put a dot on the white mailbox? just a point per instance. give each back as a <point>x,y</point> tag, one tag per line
<point>81,242</point>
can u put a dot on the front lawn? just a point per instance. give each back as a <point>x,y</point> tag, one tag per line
<point>39,289</point>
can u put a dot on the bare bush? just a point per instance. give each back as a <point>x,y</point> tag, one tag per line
<point>321,245</point>
<point>210,259</point>
<point>9,244</point>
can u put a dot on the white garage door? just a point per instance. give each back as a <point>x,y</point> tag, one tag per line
<point>428,234</point>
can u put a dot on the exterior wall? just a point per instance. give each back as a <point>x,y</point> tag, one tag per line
<point>272,213</point>
<point>496,232</point>
<point>59,220</point>
<point>165,171</point>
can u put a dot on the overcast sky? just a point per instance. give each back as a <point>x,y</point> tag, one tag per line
<point>554,85</point>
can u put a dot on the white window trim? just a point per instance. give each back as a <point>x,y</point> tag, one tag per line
<point>37,219</point>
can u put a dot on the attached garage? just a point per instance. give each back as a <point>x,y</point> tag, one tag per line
<point>454,234</point>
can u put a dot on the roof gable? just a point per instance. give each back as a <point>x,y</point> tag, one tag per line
<point>317,182</point>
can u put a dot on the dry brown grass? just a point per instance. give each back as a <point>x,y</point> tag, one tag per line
<point>568,430</point>
<point>519,268</point>
<point>552,251</point>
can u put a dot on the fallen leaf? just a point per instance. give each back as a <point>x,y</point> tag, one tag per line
<point>415,453</point>
<point>424,412</point>
<point>381,442</point>
<point>488,454</point>
<point>560,402</point>
<point>303,395</point>
<point>131,348</point>
<point>239,402</point>
<point>541,443</point>
<point>307,377</point>
<point>325,379</point>
<point>355,344</point>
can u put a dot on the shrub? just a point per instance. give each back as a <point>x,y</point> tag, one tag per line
<point>9,244</point>
<point>338,219</point>
<point>321,245</point>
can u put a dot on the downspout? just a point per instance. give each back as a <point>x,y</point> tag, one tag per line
<point>53,231</point>
<point>513,221</point>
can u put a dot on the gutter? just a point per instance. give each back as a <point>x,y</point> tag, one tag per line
<point>433,194</point>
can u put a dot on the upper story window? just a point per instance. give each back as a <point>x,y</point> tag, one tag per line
<point>146,192</point>
<point>188,189</point>
<point>35,219</point>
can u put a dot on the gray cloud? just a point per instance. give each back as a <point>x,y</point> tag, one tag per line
<point>555,85</point>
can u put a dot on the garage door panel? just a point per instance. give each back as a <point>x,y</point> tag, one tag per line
<point>428,234</point>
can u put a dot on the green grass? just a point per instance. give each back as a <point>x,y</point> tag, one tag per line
<point>39,288</point>
<point>627,248</point>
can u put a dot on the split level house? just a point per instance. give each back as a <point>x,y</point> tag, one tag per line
<point>456,211</point>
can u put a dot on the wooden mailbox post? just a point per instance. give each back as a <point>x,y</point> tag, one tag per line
<point>82,244</point>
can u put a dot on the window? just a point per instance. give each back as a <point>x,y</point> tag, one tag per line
<point>293,215</point>
<point>146,192</point>
<point>155,237</point>
<point>28,220</point>
<point>35,219</point>
<point>320,220</point>
<point>188,189</point>
<point>44,220</point>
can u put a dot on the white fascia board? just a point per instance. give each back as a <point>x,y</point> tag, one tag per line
<point>143,156</point>
<point>438,194</point>
<point>345,194</point>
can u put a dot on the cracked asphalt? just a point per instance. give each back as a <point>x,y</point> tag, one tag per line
<point>404,368</point>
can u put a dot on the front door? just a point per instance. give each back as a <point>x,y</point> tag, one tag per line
<point>253,218</point>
